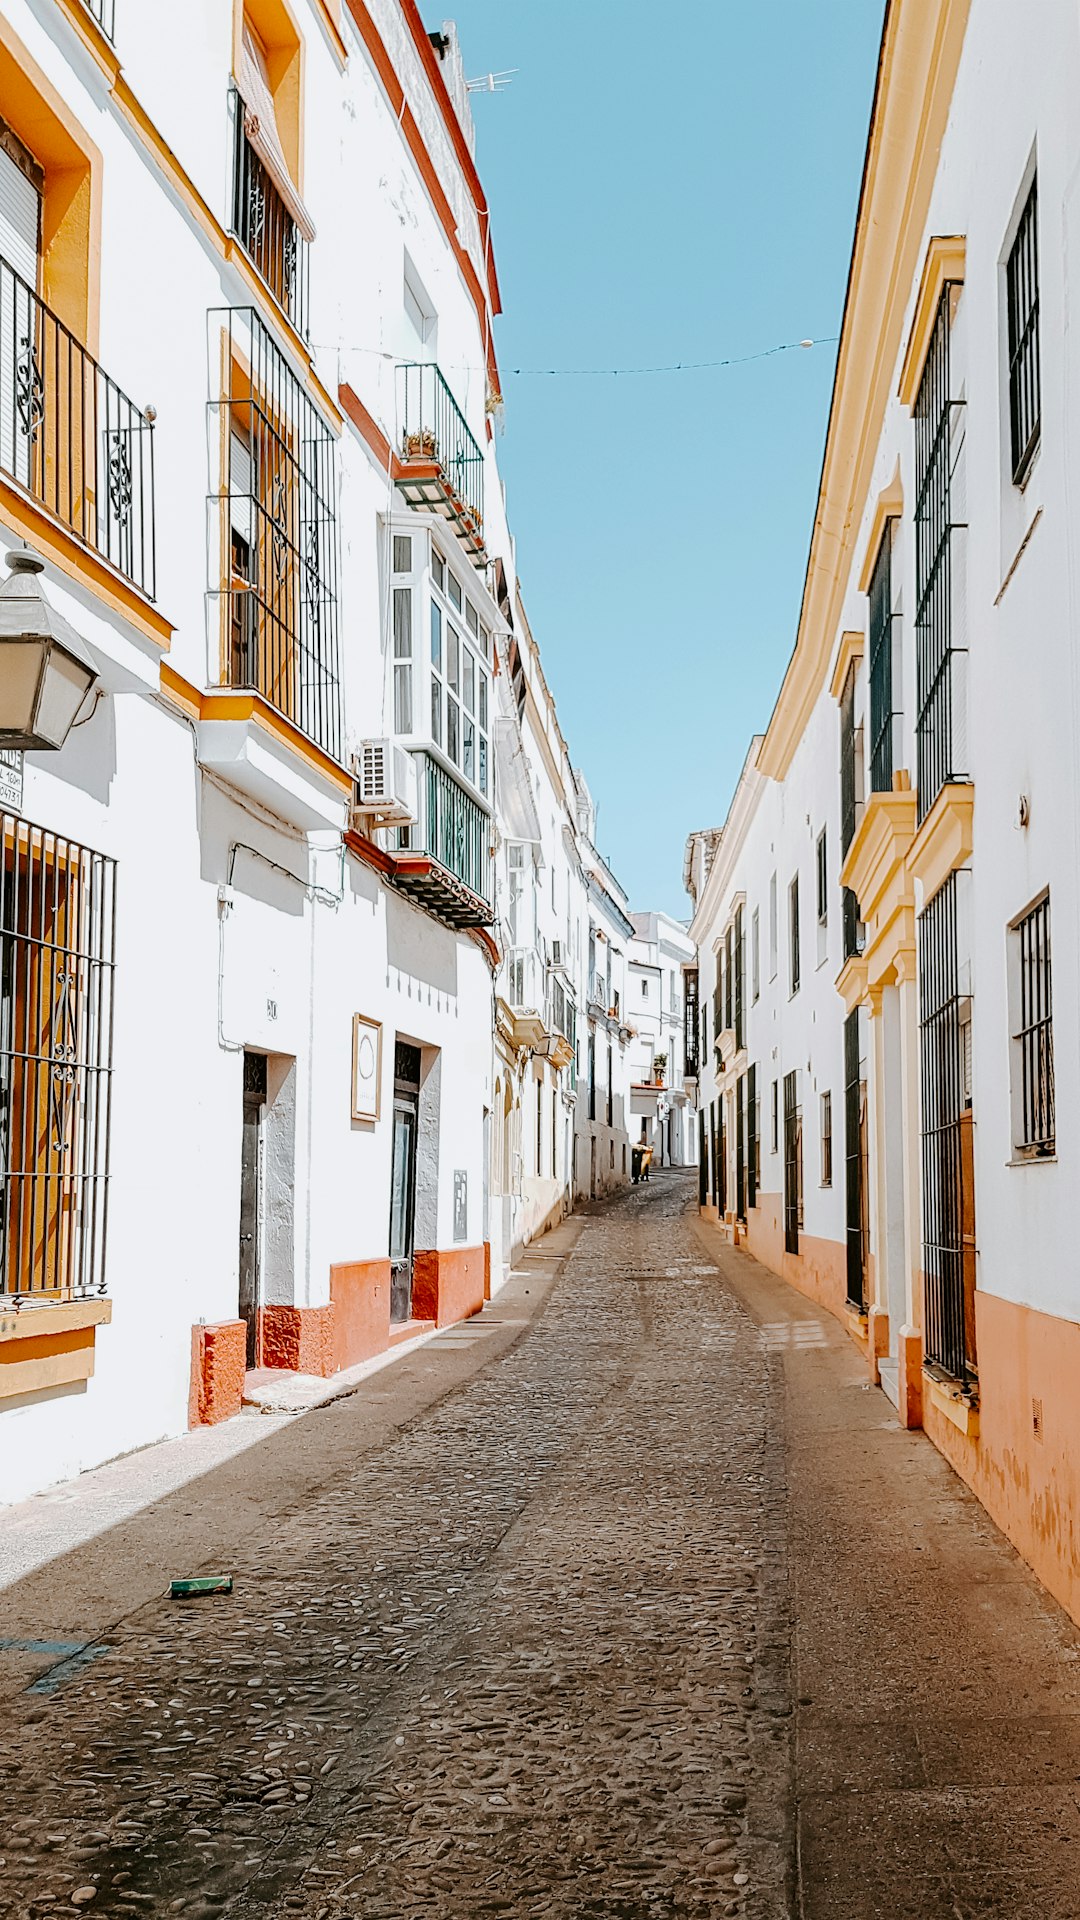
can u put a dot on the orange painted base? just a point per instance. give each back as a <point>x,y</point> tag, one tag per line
<point>910,1377</point>
<point>1028,1479</point>
<point>298,1338</point>
<point>448,1284</point>
<point>819,1269</point>
<point>360,1300</point>
<point>487,1269</point>
<point>218,1356</point>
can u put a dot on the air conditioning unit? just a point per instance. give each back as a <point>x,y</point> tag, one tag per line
<point>385,781</point>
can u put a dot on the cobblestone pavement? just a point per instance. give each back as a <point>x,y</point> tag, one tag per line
<point>529,1658</point>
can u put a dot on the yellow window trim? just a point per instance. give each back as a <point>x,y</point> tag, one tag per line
<point>275,27</point>
<point>851,650</point>
<point>241,704</point>
<point>945,839</point>
<point>875,865</point>
<point>71,208</point>
<point>43,1348</point>
<point>945,262</point>
<point>97,43</point>
<point>40,529</point>
<point>890,506</point>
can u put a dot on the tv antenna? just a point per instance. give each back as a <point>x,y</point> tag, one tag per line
<point>492,82</point>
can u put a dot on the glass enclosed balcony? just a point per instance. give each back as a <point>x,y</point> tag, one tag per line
<point>444,859</point>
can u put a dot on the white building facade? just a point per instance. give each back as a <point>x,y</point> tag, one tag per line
<point>661,1108</point>
<point>887,918</point>
<point>250,918</point>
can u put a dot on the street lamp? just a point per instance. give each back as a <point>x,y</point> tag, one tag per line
<point>46,671</point>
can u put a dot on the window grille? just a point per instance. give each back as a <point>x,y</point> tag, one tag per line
<point>1033,1034</point>
<point>278,534</point>
<point>1022,298</point>
<point>690,1021</point>
<point>104,12</point>
<point>265,227</point>
<point>849,788</point>
<point>826,1139</point>
<point>853,1164</point>
<point>592,1077</point>
<point>740,1147</point>
<point>939,723</point>
<point>793,1205</point>
<point>755,955</point>
<point>729,981</point>
<point>853,930</point>
<point>822,867</point>
<point>57,930</point>
<point>722,1158</point>
<point>793,931</point>
<point>703,1162</point>
<point>752,1140</point>
<point>739,958</point>
<point>947,1166</point>
<point>883,706</point>
<point>775,1129</point>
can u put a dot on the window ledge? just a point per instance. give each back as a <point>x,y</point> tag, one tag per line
<point>1033,1160</point>
<point>959,1404</point>
<point>45,1347</point>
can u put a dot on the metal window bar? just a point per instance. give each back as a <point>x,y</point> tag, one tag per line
<point>740,1147</point>
<point>729,981</point>
<point>853,1165</point>
<point>822,873</point>
<point>849,794</point>
<point>936,723</point>
<point>57,940</point>
<point>690,1023</point>
<point>1022,300</point>
<point>266,229</point>
<point>751,1136</point>
<point>434,430</point>
<point>703,1162</point>
<point>826,1139</point>
<point>883,705</point>
<point>947,1190</point>
<point>721,1159</point>
<point>793,909</point>
<point>71,438</point>
<point>278,533</point>
<point>1035,1037</point>
<point>792,1180</point>
<point>852,925</point>
<point>739,967</point>
<point>104,12</point>
<point>452,828</point>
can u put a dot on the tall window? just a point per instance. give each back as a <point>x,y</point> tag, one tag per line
<point>460,677</point>
<point>738,955</point>
<point>1022,298</point>
<point>753,1144</point>
<point>883,701</point>
<point>774,936</point>
<point>57,915</point>
<point>269,217</point>
<point>938,437</point>
<point>793,934</point>
<point>775,1128</point>
<point>755,955</point>
<point>793,1163</point>
<point>277,502</point>
<point>948,1191</point>
<point>855,1148</point>
<point>403,646</point>
<point>826,1139</point>
<point>1031,1010</point>
<point>822,868</point>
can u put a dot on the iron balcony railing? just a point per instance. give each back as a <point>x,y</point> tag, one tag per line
<point>266,229</point>
<point>434,432</point>
<point>276,512</point>
<point>691,1027</point>
<point>71,438</point>
<point>104,12</point>
<point>452,829</point>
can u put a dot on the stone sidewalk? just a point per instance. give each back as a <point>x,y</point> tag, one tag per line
<point>628,1600</point>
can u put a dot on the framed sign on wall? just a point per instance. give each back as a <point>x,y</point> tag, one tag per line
<point>366,1067</point>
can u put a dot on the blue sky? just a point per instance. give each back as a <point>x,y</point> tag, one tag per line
<point>676,184</point>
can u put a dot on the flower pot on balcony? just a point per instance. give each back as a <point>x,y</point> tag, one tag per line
<point>421,446</point>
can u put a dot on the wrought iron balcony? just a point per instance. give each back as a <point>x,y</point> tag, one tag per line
<point>444,860</point>
<point>691,1024</point>
<point>442,467</point>
<point>70,438</point>
<point>104,12</point>
<point>277,529</point>
<point>266,229</point>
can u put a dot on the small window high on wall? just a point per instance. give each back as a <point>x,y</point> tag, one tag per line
<point>1022,297</point>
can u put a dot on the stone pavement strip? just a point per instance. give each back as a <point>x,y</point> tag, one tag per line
<point>637,1606</point>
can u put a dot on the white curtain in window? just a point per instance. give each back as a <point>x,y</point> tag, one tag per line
<point>260,125</point>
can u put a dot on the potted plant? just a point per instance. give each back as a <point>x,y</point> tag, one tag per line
<point>420,446</point>
<point>659,1067</point>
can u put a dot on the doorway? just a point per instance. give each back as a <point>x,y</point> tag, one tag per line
<point>251,1199</point>
<point>403,1180</point>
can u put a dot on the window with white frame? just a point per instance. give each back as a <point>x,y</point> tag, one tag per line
<point>755,955</point>
<point>774,936</point>
<point>446,698</point>
<point>1032,1030</point>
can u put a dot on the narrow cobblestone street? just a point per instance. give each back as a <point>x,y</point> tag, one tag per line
<point>530,1650</point>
